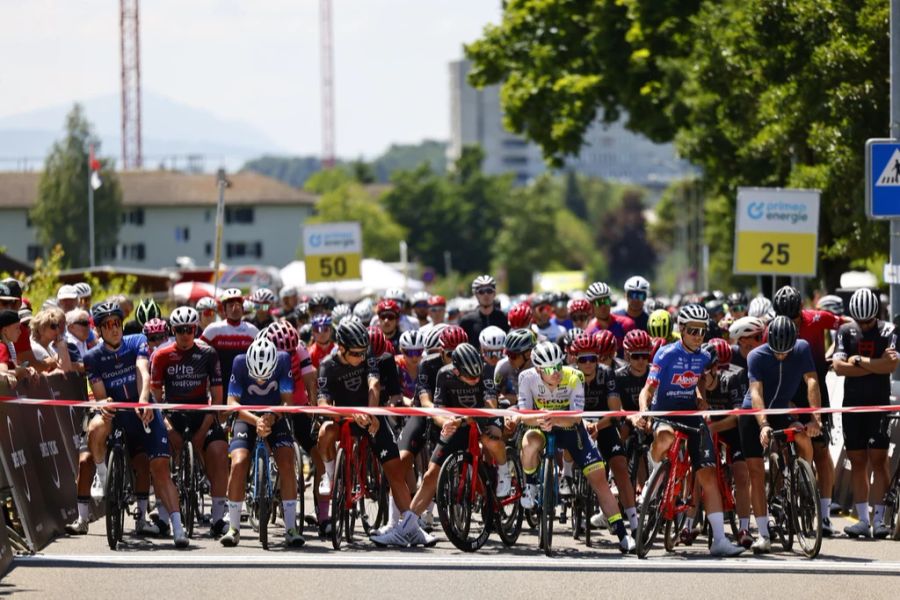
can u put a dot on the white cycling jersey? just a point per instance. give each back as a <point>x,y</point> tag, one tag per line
<point>534,394</point>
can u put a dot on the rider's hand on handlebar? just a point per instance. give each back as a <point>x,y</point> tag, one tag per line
<point>813,428</point>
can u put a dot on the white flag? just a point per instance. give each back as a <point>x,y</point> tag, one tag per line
<point>96,182</point>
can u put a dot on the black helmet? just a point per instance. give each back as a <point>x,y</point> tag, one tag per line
<point>738,299</point>
<point>467,360</point>
<point>787,302</point>
<point>352,334</point>
<point>147,309</point>
<point>104,311</point>
<point>782,334</point>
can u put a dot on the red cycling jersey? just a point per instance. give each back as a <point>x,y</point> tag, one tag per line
<point>186,376</point>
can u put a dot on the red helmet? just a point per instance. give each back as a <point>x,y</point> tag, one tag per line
<point>437,301</point>
<point>584,343</point>
<point>580,306</point>
<point>283,335</point>
<point>723,351</point>
<point>519,316</point>
<point>606,342</point>
<point>377,342</point>
<point>658,343</point>
<point>388,305</point>
<point>637,340</point>
<point>156,327</point>
<point>452,336</point>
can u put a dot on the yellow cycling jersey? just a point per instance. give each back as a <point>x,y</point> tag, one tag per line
<point>535,394</point>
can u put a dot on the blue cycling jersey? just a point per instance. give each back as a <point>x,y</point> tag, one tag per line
<point>116,368</point>
<point>675,373</point>
<point>268,393</point>
<point>780,378</point>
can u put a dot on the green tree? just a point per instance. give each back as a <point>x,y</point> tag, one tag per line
<point>623,239</point>
<point>61,211</point>
<point>292,170</point>
<point>574,197</point>
<point>326,181</point>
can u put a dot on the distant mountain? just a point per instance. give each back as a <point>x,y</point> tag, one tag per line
<point>169,129</point>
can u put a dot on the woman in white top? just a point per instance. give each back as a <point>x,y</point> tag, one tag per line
<point>48,341</point>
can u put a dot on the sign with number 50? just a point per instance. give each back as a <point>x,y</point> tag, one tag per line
<point>332,251</point>
<point>776,232</point>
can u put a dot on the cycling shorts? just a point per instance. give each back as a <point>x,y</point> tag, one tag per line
<point>732,437</point>
<point>383,440</point>
<point>577,441</point>
<point>863,431</point>
<point>700,446</point>
<point>609,443</point>
<point>192,421</point>
<point>304,431</point>
<point>243,436</point>
<point>154,444</point>
<point>415,433</point>
<point>749,432</point>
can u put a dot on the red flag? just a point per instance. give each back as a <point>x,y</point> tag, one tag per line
<point>95,164</point>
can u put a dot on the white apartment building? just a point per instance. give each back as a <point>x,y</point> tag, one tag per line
<point>610,151</point>
<point>167,215</point>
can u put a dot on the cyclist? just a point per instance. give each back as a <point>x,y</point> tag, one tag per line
<point>321,304</point>
<point>391,388</point>
<point>776,370</point>
<point>157,333</point>
<point>289,297</point>
<point>189,373</point>
<point>484,287</point>
<point>673,385</point>
<point>561,310</point>
<point>747,333</point>
<point>117,369</point>
<point>146,309</point>
<point>520,316</point>
<point>551,386</point>
<point>462,384</point>
<point>761,308</point>
<point>364,310</point>
<point>492,341</point>
<point>264,302</point>
<point>261,377</point>
<point>600,393</point>
<point>659,325</point>
<point>437,308</point>
<point>580,312</point>
<point>607,348</point>
<point>604,318</point>
<point>866,356</point>
<point>323,339</point>
<point>231,337</point>
<point>412,347</point>
<point>543,326</point>
<point>388,313</point>
<point>518,345</point>
<point>637,290</point>
<point>630,380</point>
<point>420,307</point>
<point>208,310</point>
<point>737,305</point>
<point>565,342</point>
<point>85,293</point>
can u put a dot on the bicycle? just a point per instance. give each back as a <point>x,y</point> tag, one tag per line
<point>548,494</point>
<point>119,490</point>
<point>792,495</point>
<point>466,486</point>
<point>259,497</point>
<point>583,507</point>
<point>190,481</point>
<point>637,445</point>
<point>892,496</point>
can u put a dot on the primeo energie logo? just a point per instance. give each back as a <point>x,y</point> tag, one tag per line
<point>790,212</point>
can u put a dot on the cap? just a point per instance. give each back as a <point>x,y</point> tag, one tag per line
<point>8,317</point>
<point>14,286</point>
<point>67,292</point>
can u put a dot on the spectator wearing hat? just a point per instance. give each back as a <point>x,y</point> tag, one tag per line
<point>10,332</point>
<point>78,330</point>
<point>11,299</point>
<point>67,298</point>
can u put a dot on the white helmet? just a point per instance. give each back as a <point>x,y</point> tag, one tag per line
<point>547,354</point>
<point>412,340</point>
<point>287,291</point>
<point>761,307</point>
<point>746,326</point>
<point>83,289</point>
<point>262,358</point>
<point>637,284</point>
<point>396,294</point>
<point>207,303</point>
<point>184,315</point>
<point>492,338</point>
<point>263,296</point>
<point>863,305</point>
<point>363,310</point>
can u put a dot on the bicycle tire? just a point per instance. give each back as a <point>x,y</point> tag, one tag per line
<point>587,499</point>
<point>114,496</point>
<point>650,520</point>
<point>548,505</point>
<point>454,506</point>
<point>509,516</point>
<point>779,511</point>
<point>263,500</point>
<point>674,526</point>
<point>731,515</point>
<point>301,488</point>
<point>896,514</point>
<point>807,510</point>
<point>373,505</point>
<point>188,490</point>
<point>338,495</point>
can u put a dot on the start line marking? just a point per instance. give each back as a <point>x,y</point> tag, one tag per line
<point>474,562</point>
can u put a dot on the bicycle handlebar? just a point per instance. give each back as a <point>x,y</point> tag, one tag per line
<point>681,426</point>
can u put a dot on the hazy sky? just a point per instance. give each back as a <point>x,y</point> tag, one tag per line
<point>252,60</point>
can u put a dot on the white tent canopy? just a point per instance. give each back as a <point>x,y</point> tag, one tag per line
<point>377,277</point>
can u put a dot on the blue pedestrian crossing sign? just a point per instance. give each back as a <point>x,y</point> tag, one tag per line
<point>883,178</point>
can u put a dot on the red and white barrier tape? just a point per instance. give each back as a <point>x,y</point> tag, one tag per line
<point>403,411</point>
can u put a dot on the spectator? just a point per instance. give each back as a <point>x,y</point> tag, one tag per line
<point>11,299</point>
<point>10,331</point>
<point>78,329</point>
<point>67,298</point>
<point>48,341</point>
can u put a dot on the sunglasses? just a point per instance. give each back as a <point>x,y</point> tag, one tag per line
<point>739,307</point>
<point>485,291</point>
<point>603,302</point>
<point>640,356</point>
<point>438,308</point>
<point>387,317</point>
<point>695,331</point>
<point>514,355</point>
<point>262,307</point>
<point>112,325</point>
<point>208,313</point>
<point>551,370</point>
<point>82,323</point>
<point>588,358</point>
<point>413,353</point>
<point>356,353</point>
<point>154,339</point>
<point>580,317</point>
<point>636,295</point>
<point>420,305</point>
<point>492,353</point>
<point>53,326</point>
<point>183,329</point>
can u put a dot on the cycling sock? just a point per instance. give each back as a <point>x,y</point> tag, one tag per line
<point>878,516</point>
<point>84,508</point>
<point>234,515</point>
<point>324,507</point>
<point>142,503</point>
<point>826,507</point>
<point>393,512</point>
<point>503,469</point>
<point>745,523</point>
<point>617,525</point>
<point>177,529</point>
<point>162,512</point>
<point>862,512</point>
<point>717,524</point>
<point>632,515</point>
<point>430,507</point>
<point>567,468</point>
<point>219,506</point>
<point>290,514</point>
<point>101,470</point>
<point>329,468</point>
<point>762,524</point>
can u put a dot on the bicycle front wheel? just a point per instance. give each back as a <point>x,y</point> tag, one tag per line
<point>115,496</point>
<point>188,488</point>
<point>807,510</point>
<point>339,512</point>
<point>373,505</point>
<point>650,520</point>
<point>263,500</point>
<point>548,505</point>
<point>509,511</point>
<point>456,507</point>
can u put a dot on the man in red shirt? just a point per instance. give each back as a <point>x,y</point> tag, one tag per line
<point>323,339</point>
<point>11,299</point>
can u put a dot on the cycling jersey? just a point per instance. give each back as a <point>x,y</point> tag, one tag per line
<point>301,364</point>
<point>674,374</point>
<point>629,387</point>
<point>781,379</point>
<point>116,368</point>
<point>550,332</point>
<point>813,326</point>
<point>872,389</point>
<point>600,388</point>
<point>407,381</point>
<point>229,341</point>
<point>389,376</point>
<point>506,377</point>
<point>640,322</point>
<point>737,359</point>
<point>261,324</point>
<point>535,394</point>
<point>618,325</point>
<point>251,392</point>
<point>428,370</point>
<point>731,387</point>
<point>474,322</point>
<point>451,391</point>
<point>342,384</point>
<point>185,376</point>
<point>318,353</point>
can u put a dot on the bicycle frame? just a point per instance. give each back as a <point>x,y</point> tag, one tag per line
<point>355,463</point>
<point>260,451</point>
<point>474,458</point>
<point>681,466</point>
<point>724,460</point>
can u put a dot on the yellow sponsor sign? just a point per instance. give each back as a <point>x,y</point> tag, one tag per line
<point>775,252</point>
<point>333,267</point>
<point>550,281</point>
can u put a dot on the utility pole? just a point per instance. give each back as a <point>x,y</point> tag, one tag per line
<point>895,134</point>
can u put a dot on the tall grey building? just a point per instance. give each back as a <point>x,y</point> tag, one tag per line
<point>610,151</point>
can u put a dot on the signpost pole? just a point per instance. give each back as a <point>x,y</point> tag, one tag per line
<point>895,134</point>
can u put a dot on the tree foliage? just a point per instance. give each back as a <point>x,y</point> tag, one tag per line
<point>61,211</point>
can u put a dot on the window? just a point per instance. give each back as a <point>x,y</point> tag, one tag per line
<point>239,214</point>
<point>28,222</point>
<point>135,252</point>
<point>243,250</point>
<point>515,160</point>
<point>207,216</point>
<point>135,216</point>
<point>108,252</point>
<point>182,234</point>
<point>514,143</point>
<point>207,248</point>
<point>35,252</point>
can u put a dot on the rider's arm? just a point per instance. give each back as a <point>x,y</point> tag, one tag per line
<point>884,365</point>
<point>309,381</point>
<point>757,400</point>
<point>143,380</point>
<point>242,414</point>
<point>439,394</point>
<point>615,403</point>
<point>812,392</point>
<point>576,402</point>
<point>841,362</point>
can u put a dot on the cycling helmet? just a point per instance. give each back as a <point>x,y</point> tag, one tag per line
<point>339,312</point>
<point>583,343</point>
<point>305,333</point>
<point>412,340</point>
<point>249,306</point>
<point>692,313</point>
<point>363,310</point>
<point>288,291</point>
<point>387,306</point>
<point>723,351</point>
<point>596,291</point>
<point>782,334</point>
<point>492,338</point>
<point>746,326</point>
<point>262,358</point>
<point>637,284</point>
<point>432,339</point>
<point>377,342</point>
<point>637,340</point>
<point>715,306</point>
<point>352,334</point>
<point>658,343</point>
<point>519,340</point>
<point>263,296</point>
<point>737,298</point>
<point>659,324</point>
<point>321,320</point>
<point>483,281</point>
<point>565,340</point>
<point>283,335</point>
<point>146,309</point>
<point>787,302</point>
<point>760,307</point>
<point>519,316</point>
<point>105,310</point>
<point>547,354</point>
<point>652,304</point>
<point>156,327</point>
<point>580,306</point>
<point>207,303</point>
<point>606,342</point>
<point>452,336</point>
<point>467,360</point>
<point>319,301</point>
<point>831,303</point>
<point>864,305</point>
<point>421,298</point>
<point>395,294</point>
<point>437,301</point>
<point>184,315</point>
<point>83,289</point>
<point>231,294</point>
<point>544,299</point>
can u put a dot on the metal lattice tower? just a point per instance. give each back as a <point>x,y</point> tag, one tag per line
<point>130,53</point>
<point>327,67</point>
